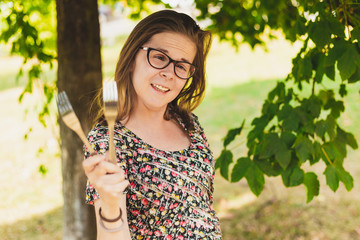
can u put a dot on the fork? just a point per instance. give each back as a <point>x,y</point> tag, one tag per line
<point>110,98</point>
<point>69,118</point>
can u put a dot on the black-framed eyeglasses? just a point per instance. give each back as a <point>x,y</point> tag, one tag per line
<point>160,60</point>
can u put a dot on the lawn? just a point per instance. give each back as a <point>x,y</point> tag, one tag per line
<point>31,207</point>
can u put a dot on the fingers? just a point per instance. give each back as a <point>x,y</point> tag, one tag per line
<point>108,178</point>
<point>100,161</point>
<point>120,187</point>
<point>114,190</point>
<point>91,162</point>
<point>113,178</point>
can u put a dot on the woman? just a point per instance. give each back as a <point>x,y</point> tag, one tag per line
<point>164,163</point>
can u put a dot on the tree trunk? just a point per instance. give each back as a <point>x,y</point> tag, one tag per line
<point>79,74</point>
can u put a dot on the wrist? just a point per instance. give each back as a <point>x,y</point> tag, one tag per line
<point>110,210</point>
<point>113,224</point>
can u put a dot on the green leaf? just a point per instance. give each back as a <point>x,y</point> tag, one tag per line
<point>320,33</point>
<point>255,179</point>
<point>279,91</point>
<point>306,68</point>
<point>335,150</point>
<point>314,106</point>
<point>330,125</point>
<point>270,145</point>
<point>303,148</point>
<point>289,117</point>
<point>351,141</point>
<point>330,72</point>
<point>320,128</point>
<point>320,70</point>
<point>296,177</point>
<point>269,166</point>
<point>302,69</point>
<point>240,168</point>
<point>342,90</point>
<point>317,153</point>
<point>348,61</point>
<point>232,133</point>
<point>355,34</point>
<point>336,27</point>
<point>356,76</point>
<point>336,107</point>
<point>288,138</point>
<point>345,177</point>
<point>292,175</point>
<point>223,162</point>
<point>325,96</point>
<point>312,185</point>
<point>332,179</point>
<point>340,46</point>
<point>283,157</point>
<point>269,109</point>
<point>42,169</point>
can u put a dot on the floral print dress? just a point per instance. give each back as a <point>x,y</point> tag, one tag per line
<point>170,194</point>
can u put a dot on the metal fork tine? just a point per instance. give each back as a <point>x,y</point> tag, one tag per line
<point>69,117</point>
<point>63,103</point>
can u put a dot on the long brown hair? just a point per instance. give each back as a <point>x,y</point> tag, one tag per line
<point>191,95</point>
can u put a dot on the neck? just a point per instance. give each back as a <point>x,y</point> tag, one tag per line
<point>146,117</point>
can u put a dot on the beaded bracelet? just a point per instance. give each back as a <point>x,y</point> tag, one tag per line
<point>102,218</point>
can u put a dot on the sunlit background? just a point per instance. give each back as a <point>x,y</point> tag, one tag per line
<point>238,81</point>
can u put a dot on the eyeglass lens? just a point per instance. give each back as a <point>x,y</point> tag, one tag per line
<point>160,60</point>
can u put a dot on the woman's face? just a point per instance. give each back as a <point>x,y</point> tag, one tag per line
<point>155,88</point>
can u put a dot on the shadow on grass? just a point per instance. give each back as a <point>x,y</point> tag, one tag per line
<point>275,219</point>
<point>39,227</point>
<point>263,219</point>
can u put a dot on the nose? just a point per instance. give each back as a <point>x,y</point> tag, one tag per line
<point>168,72</point>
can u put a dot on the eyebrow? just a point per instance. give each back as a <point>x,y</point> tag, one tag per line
<point>167,52</point>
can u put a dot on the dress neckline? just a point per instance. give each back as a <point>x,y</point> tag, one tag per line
<point>149,146</point>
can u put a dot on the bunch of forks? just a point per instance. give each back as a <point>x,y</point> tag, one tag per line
<point>110,99</point>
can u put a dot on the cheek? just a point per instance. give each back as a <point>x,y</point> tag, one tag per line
<point>180,87</point>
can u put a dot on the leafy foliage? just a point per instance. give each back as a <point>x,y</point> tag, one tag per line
<point>29,27</point>
<point>299,118</point>
<point>29,30</point>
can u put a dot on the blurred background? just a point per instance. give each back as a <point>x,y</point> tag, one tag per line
<point>238,81</point>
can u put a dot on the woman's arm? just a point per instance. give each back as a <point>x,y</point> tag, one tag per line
<point>109,181</point>
<point>111,213</point>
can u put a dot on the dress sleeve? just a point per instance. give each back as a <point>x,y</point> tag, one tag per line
<point>199,133</point>
<point>99,141</point>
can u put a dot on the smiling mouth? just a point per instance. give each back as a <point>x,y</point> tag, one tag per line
<point>160,88</point>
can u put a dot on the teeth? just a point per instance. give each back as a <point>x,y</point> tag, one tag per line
<point>161,88</point>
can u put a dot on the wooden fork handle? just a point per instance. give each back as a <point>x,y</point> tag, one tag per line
<point>112,154</point>
<point>72,122</point>
<point>86,142</point>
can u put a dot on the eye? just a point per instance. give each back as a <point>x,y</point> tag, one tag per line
<point>182,67</point>
<point>159,57</point>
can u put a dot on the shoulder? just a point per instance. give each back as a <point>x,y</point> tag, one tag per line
<point>97,132</point>
<point>196,123</point>
<point>98,136</point>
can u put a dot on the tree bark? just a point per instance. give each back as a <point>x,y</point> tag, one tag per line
<point>79,74</point>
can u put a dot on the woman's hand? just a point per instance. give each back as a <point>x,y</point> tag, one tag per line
<point>108,180</point>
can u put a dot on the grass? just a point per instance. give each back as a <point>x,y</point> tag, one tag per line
<point>31,204</point>
<point>279,213</point>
